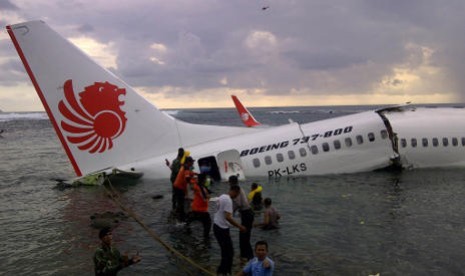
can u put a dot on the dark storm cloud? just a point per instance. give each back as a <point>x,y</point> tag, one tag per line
<point>324,61</point>
<point>12,69</point>
<point>287,46</point>
<point>85,28</point>
<point>7,5</point>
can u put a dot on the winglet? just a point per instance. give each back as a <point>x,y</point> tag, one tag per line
<point>245,115</point>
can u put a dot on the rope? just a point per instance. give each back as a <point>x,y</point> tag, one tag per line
<point>151,232</point>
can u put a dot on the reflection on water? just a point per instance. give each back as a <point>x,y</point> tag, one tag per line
<point>362,224</point>
<point>391,223</point>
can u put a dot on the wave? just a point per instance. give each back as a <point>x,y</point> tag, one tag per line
<point>284,111</point>
<point>12,116</point>
<point>172,112</point>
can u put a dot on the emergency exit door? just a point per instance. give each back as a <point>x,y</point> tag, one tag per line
<point>229,163</point>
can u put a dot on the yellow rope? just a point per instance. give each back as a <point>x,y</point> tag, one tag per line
<point>151,232</point>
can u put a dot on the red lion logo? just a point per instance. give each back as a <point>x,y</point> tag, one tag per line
<point>97,119</point>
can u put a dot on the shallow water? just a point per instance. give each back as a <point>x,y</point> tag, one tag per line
<point>391,223</point>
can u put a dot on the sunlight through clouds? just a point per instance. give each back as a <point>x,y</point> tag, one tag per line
<point>159,50</point>
<point>261,40</point>
<point>263,45</point>
<point>417,77</point>
<point>102,53</point>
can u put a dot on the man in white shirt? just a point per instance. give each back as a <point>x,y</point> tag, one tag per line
<point>221,224</point>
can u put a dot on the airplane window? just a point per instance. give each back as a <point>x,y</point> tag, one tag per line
<point>414,142</point>
<point>348,142</point>
<point>325,146</point>
<point>256,162</point>
<point>371,136</point>
<point>403,142</point>
<point>314,149</point>
<point>280,157</point>
<point>445,141</point>
<point>424,141</point>
<point>302,152</point>
<point>268,160</point>
<point>359,139</point>
<point>435,142</point>
<point>291,154</point>
<point>384,134</point>
<point>463,141</point>
<point>337,144</point>
<point>455,142</point>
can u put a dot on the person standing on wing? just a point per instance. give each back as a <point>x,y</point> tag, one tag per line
<point>184,177</point>
<point>174,167</point>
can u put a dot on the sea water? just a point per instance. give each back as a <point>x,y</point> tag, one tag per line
<point>391,223</point>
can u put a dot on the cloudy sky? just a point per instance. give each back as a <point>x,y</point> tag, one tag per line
<point>196,53</point>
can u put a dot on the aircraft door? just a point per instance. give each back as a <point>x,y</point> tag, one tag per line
<point>208,165</point>
<point>229,163</point>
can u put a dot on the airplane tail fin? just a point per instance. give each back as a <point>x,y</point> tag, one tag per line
<point>100,120</point>
<point>244,113</point>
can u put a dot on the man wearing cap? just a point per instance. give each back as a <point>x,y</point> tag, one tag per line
<point>107,259</point>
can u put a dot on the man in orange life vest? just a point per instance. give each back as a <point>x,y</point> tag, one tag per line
<point>185,176</point>
<point>199,205</point>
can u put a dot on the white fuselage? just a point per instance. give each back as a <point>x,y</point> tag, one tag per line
<point>349,144</point>
<point>430,137</point>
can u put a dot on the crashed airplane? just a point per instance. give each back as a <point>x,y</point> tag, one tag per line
<point>104,124</point>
